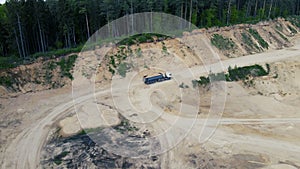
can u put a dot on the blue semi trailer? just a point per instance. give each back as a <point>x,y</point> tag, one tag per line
<point>159,78</point>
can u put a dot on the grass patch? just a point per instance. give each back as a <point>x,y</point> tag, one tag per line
<point>248,41</point>
<point>282,36</point>
<point>115,61</point>
<point>260,40</point>
<point>48,76</point>
<point>279,27</point>
<point>295,20</point>
<point>58,52</point>
<point>9,62</point>
<point>204,81</point>
<point>90,130</point>
<point>222,43</point>
<point>138,52</point>
<point>142,38</point>
<point>66,65</point>
<point>122,69</point>
<point>51,66</point>
<point>13,61</point>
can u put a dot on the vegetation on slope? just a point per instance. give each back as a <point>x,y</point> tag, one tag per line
<point>48,74</point>
<point>234,74</point>
<point>116,62</point>
<point>222,43</point>
<point>246,38</point>
<point>260,40</point>
<point>142,38</point>
<point>66,66</point>
<point>295,20</point>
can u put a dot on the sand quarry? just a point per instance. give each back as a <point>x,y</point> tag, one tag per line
<point>258,127</point>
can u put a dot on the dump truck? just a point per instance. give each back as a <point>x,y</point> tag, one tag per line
<point>158,78</point>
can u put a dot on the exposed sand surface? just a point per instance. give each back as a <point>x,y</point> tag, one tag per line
<point>258,129</point>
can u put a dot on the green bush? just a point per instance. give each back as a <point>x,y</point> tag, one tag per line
<point>241,73</point>
<point>112,61</point>
<point>268,68</point>
<point>111,70</point>
<point>164,49</point>
<point>204,80</point>
<point>234,74</point>
<point>222,43</point>
<point>124,127</point>
<point>260,40</point>
<point>144,39</point>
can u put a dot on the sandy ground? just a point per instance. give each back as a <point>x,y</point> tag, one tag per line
<point>255,129</point>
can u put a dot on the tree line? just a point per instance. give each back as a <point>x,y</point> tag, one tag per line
<point>39,26</point>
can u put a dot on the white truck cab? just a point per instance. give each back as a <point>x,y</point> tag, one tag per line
<point>168,75</point>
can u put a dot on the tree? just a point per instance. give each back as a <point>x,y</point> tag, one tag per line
<point>209,15</point>
<point>234,18</point>
<point>228,12</point>
<point>255,9</point>
<point>31,26</point>
<point>4,31</point>
<point>83,10</point>
<point>191,12</point>
<point>270,10</point>
<point>14,10</point>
